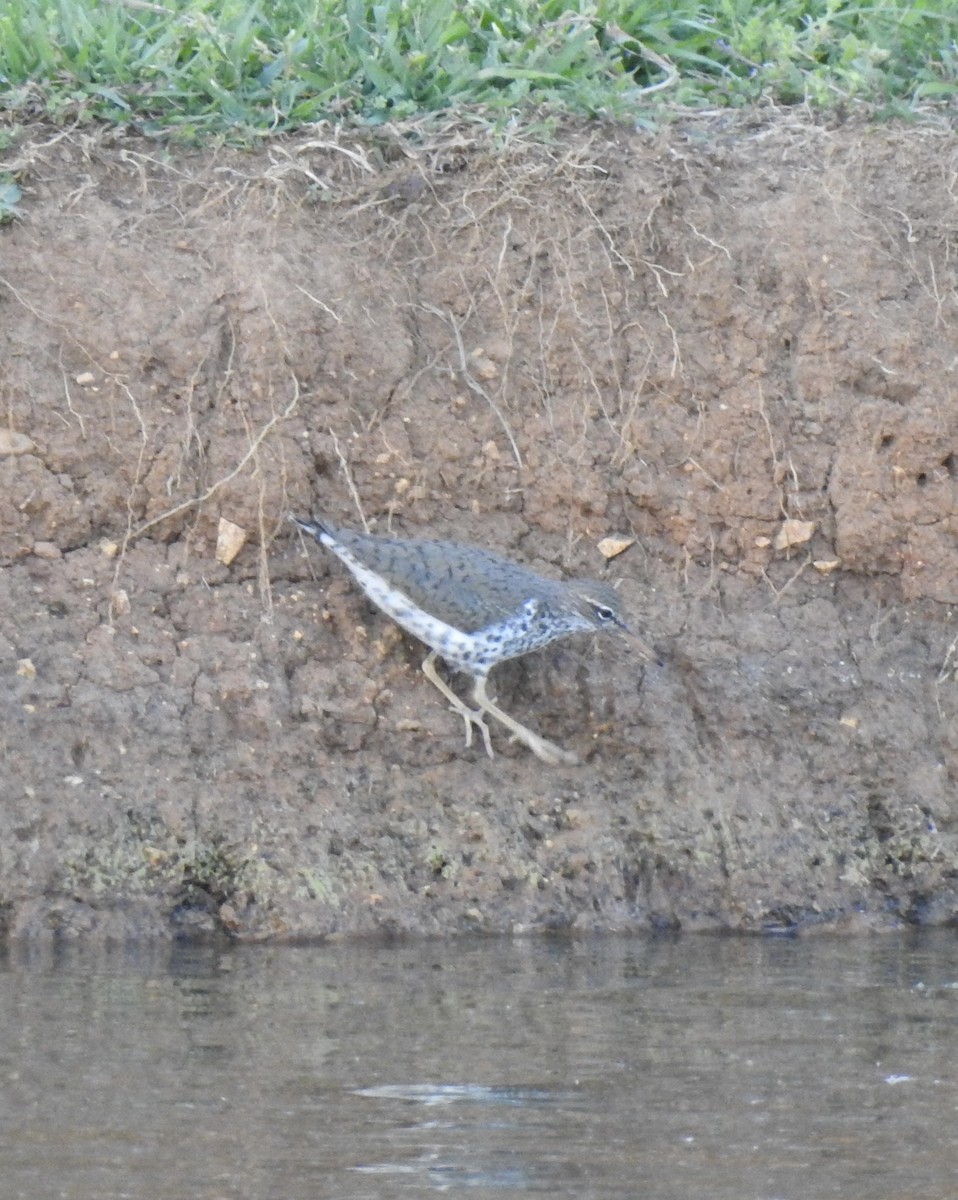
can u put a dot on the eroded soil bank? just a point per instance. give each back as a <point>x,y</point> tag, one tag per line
<point>734,344</point>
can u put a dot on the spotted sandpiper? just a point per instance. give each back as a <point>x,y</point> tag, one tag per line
<point>473,609</point>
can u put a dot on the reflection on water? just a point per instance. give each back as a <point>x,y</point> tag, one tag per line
<point>694,1068</point>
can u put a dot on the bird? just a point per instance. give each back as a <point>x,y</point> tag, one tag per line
<point>473,609</point>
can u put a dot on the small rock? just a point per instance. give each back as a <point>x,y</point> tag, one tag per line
<point>793,533</point>
<point>485,368</point>
<point>615,544</point>
<point>120,602</point>
<point>230,540</point>
<point>26,669</point>
<point>47,550</point>
<point>87,377</point>
<point>12,442</point>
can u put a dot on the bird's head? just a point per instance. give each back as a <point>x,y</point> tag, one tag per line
<point>601,607</point>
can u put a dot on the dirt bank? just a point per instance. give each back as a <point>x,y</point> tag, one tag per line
<point>734,344</point>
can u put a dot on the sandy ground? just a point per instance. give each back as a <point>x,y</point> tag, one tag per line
<point>731,346</point>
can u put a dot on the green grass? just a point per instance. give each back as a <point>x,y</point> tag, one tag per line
<point>247,67</point>
<point>9,196</point>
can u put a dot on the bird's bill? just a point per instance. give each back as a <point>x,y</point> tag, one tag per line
<point>639,644</point>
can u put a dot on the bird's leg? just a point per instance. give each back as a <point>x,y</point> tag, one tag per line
<point>548,751</point>
<point>469,715</point>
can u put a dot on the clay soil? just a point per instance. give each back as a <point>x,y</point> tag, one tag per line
<point>732,345</point>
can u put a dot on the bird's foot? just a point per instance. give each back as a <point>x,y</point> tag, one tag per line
<point>548,752</point>
<point>473,717</point>
<point>541,747</point>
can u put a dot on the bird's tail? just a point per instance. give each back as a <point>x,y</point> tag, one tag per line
<point>316,528</point>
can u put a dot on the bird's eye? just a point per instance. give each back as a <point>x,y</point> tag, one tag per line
<point>604,613</point>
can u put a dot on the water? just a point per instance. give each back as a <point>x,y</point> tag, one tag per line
<point>697,1068</point>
